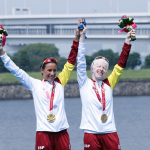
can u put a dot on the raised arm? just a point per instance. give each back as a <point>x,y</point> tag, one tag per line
<point>118,69</point>
<point>81,61</point>
<point>22,76</point>
<point>64,76</point>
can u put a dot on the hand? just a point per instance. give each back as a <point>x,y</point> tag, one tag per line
<point>82,33</point>
<point>84,27</point>
<point>129,34</point>
<point>1,49</point>
<point>77,36</point>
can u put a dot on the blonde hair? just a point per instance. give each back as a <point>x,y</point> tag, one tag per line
<point>95,61</point>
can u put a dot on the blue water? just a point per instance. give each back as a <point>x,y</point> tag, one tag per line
<point>132,115</point>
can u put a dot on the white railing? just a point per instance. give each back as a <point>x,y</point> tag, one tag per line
<point>70,31</point>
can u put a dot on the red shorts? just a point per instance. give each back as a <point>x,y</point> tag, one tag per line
<point>109,141</point>
<point>52,141</point>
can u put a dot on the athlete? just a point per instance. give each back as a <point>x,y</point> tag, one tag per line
<point>97,120</point>
<point>48,96</point>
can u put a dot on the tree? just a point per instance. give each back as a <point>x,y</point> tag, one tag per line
<point>31,56</point>
<point>24,61</point>
<point>133,60</point>
<point>89,60</point>
<point>147,62</point>
<point>2,68</point>
<point>61,63</point>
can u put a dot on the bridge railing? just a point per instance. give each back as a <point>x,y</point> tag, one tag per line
<point>70,31</point>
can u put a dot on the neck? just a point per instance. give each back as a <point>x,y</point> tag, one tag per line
<point>96,79</point>
<point>48,81</point>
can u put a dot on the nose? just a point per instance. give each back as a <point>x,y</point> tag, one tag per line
<point>52,72</point>
<point>101,68</point>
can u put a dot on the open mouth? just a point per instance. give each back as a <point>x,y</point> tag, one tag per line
<point>51,77</point>
<point>100,73</point>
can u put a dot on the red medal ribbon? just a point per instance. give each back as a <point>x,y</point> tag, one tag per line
<point>97,94</point>
<point>52,94</point>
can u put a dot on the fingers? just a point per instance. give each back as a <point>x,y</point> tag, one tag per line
<point>130,36</point>
<point>83,19</point>
<point>79,21</point>
<point>132,32</point>
<point>82,29</point>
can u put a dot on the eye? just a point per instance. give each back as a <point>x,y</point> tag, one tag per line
<point>104,68</point>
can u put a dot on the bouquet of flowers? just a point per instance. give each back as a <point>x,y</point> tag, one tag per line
<point>3,35</point>
<point>127,24</point>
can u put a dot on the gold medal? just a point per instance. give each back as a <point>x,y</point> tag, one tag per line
<point>51,117</point>
<point>104,118</point>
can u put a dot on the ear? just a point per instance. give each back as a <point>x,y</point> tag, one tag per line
<point>42,70</point>
<point>92,70</point>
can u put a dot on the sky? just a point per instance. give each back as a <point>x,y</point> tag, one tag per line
<point>74,6</point>
<point>38,7</point>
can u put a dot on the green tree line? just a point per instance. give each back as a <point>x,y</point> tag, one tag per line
<point>133,60</point>
<point>29,58</point>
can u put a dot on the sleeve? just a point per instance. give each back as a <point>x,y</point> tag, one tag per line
<point>22,76</point>
<point>64,76</point>
<point>118,69</point>
<point>81,66</point>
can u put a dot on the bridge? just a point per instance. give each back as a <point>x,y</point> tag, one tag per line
<point>59,30</point>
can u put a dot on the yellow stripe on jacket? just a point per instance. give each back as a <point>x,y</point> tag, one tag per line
<point>66,73</point>
<point>115,76</point>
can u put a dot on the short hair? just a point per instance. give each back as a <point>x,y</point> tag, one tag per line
<point>95,61</point>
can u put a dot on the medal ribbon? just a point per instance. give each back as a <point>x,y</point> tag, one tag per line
<point>52,94</point>
<point>97,94</point>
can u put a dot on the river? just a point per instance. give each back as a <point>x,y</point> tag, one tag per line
<point>132,116</point>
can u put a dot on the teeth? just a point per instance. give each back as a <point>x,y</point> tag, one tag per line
<point>100,73</point>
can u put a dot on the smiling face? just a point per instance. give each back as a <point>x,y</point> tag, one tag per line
<point>49,72</point>
<point>99,69</point>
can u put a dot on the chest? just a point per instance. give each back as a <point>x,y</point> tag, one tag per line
<point>95,97</point>
<point>45,93</point>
